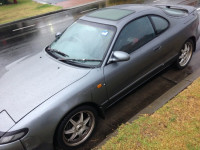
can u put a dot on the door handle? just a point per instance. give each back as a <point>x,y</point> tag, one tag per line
<point>157,49</point>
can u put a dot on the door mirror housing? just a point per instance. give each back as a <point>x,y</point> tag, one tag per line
<point>118,56</point>
<point>58,34</point>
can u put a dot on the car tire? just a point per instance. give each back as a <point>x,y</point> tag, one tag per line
<point>76,128</point>
<point>185,54</point>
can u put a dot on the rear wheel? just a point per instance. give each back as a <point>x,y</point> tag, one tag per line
<point>76,127</point>
<point>185,54</point>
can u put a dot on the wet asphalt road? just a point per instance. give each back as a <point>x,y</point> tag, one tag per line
<point>17,42</point>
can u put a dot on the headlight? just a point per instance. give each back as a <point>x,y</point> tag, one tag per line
<point>13,136</point>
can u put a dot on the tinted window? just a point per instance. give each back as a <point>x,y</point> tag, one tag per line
<point>134,35</point>
<point>160,24</point>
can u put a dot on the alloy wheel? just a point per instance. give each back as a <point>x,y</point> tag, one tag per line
<point>186,54</point>
<point>78,128</point>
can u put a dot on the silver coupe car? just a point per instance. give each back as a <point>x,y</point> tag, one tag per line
<point>56,96</point>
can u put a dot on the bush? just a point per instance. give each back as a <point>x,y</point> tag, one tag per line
<point>2,2</point>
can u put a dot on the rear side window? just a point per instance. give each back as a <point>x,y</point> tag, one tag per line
<point>160,24</point>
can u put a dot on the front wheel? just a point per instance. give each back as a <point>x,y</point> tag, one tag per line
<point>76,127</point>
<point>185,54</point>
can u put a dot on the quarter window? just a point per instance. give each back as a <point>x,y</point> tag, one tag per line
<point>160,24</point>
<point>134,35</point>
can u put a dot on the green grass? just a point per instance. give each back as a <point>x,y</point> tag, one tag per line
<point>175,126</point>
<point>24,9</point>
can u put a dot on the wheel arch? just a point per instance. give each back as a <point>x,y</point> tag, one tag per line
<point>99,109</point>
<point>194,42</point>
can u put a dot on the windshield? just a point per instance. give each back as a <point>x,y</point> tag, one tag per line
<point>84,41</point>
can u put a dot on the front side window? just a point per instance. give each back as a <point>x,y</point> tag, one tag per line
<point>134,35</point>
<point>160,24</point>
<point>84,43</point>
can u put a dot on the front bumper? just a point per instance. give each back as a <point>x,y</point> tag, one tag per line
<point>17,145</point>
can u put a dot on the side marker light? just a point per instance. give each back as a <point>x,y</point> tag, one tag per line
<point>99,86</point>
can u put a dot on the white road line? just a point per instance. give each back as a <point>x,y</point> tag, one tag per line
<point>42,26</point>
<point>22,34</point>
<point>23,28</point>
<point>88,10</point>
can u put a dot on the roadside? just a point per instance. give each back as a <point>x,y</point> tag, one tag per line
<point>27,9</point>
<point>24,9</point>
<point>73,3</point>
<point>174,126</point>
<point>66,3</point>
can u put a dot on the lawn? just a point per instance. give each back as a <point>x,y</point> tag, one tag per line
<point>23,9</point>
<point>175,126</point>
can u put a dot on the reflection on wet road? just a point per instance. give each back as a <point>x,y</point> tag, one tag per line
<point>26,39</point>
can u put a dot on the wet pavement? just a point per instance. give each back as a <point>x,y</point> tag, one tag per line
<point>30,37</point>
<point>50,1</point>
<point>74,3</point>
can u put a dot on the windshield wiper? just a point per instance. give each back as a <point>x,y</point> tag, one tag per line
<point>82,60</point>
<point>57,51</point>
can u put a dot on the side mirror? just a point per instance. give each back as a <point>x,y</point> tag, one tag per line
<point>118,56</point>
<point>58,34</point>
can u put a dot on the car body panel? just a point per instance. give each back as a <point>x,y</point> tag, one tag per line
<point>22,84</point>
<point>141,62</point>
<point>47,113</point>
<point>7,122</point>
<point>12,146</point>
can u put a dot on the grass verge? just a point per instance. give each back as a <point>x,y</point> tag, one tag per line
<point>174,126</point>
<point>23,9</point>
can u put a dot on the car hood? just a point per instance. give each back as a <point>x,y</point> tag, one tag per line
<point>31,80</point>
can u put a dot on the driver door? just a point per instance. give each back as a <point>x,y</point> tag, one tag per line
<point>135,39</point>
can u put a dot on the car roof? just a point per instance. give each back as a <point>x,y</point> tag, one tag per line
<point>114,14</point>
